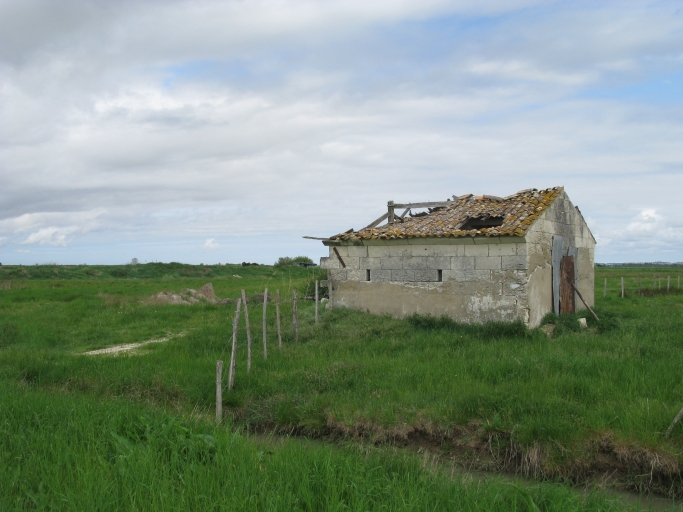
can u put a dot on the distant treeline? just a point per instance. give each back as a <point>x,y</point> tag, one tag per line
<point>648,264</point>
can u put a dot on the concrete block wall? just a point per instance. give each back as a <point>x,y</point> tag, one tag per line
<point>404,262</point>
<point>468,280</point>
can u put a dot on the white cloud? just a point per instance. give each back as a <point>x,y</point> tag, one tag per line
<point>50,236</point>
<point>647,222</point>
<point>211,244</point>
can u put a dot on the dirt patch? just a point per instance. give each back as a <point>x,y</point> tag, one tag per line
<point>188,296</point>
<point>127,347</point>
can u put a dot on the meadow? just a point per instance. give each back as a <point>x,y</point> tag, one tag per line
<point>584,406</point>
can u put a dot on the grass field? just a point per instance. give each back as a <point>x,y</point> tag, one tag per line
<point>573,408</point>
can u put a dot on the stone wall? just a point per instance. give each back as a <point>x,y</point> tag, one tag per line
<point>482,279</point>
<point>563,219</point>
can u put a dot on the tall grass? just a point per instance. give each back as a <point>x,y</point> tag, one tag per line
<point>367,375</point>
<point>67,452</point>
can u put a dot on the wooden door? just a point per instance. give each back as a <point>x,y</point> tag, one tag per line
<point>567,303</point>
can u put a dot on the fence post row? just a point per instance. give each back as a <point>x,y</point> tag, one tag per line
<point>219,391</point>
<point>295,315</point>
<point>265,304</point>
<point>316,301</point>
<point>277,316</point>
<point>246,321</point>
<point>233,354</point>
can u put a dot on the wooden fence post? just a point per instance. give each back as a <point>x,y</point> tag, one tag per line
<point>219,391</point>
<point>639,286</point>
<point>622,287</point>
<point>604,290</point>
<point>265,303</point>
<point>668,283</point>
<point>246,321</point>
<point>277,316</point>
<point>316,301</point>
<point>295,317</point>
<point>233,354</point>
<point>679,282</point>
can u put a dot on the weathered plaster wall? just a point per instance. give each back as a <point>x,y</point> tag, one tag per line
<point>483,279</point>
<point>563,219</point>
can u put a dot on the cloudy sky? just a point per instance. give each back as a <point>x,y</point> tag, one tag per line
<point>209,131</point>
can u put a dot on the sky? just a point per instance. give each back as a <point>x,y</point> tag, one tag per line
<point>221,132</point>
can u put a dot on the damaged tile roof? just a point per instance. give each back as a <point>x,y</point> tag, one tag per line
<point>517,213</point>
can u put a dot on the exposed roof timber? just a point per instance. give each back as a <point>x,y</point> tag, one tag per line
<point>436,204</point>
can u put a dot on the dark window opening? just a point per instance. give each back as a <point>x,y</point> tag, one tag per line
<point>367,275</point>
<point>479,222</point>
<point>439,276</point>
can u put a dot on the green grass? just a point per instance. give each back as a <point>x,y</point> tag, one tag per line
<point>68,452</point>
<point>549,408</point>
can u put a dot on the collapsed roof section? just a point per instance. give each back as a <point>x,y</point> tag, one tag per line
<point>466,215</point>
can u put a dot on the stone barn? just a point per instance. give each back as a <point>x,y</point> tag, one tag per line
<point>472,258</point>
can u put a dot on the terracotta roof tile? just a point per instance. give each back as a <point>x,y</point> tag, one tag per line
<point>519,211</point>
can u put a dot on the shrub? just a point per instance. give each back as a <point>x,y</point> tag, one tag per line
<point>286,261</point>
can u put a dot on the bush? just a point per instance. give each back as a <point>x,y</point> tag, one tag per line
<point>286,261</point>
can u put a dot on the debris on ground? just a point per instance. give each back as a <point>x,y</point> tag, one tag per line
<point>548,330</point>
<point>257,298</point>
<point>189,296</point>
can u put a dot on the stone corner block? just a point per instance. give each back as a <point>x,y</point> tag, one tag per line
<point>514,262</point>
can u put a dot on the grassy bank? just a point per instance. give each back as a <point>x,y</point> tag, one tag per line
<point>66,452</point>
<point>572,407</point>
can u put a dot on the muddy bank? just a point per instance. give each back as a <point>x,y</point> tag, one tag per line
<point>599,461</point>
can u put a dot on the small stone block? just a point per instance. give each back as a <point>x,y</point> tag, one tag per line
<point>487,262</point>
<point>403,275</point>
<point>382,276</point>
<point>391,263</point>
<point>462,263</point>
<point>477,250</point>
<point>415,262</point>
<point>514,262</point>
<point>426,276</point>
<point>370,263</point>
<point>338,275</point>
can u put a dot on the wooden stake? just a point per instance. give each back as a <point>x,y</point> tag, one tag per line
<point>639,286</point>
<point>246,321</point>
<point>316,301</point>
<point>673,423</point>
<point>295,317</point>
<point>233,355</point>
<point>604,290</point>
<point>584,302</point>
<point>265,303</point>
<point>219,391</point>
<point>668,283</point>
<point>277,316</point>
<point>679,282</point>
<point>622,287</point>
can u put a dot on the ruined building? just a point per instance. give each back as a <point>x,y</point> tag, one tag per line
<point>472,258</point>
